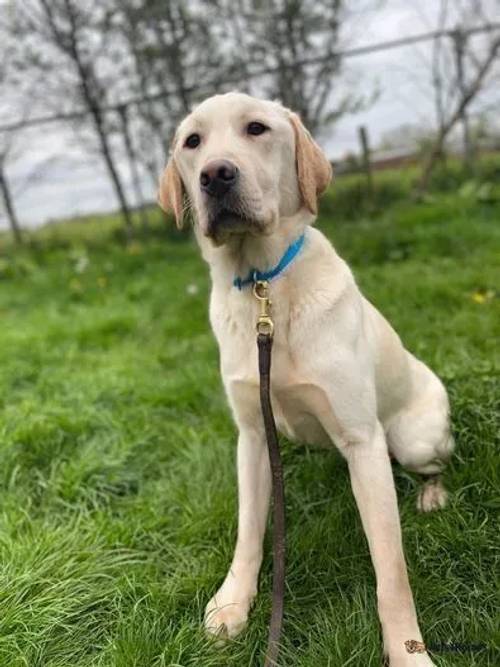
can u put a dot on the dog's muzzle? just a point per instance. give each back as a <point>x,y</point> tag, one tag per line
<point>219,182</point>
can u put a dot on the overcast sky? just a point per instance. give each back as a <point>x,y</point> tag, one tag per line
<point>72,182</point>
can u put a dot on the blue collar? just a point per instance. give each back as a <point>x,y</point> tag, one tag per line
<point>254,275</point>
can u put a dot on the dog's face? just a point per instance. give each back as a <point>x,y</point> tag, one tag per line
<point>243,163</point>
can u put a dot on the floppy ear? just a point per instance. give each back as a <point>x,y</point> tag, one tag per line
<point>314,170</point>
<point>171,192</point>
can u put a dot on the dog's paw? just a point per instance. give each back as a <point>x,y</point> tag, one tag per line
<point>225,616</point>
<point>432,496</point>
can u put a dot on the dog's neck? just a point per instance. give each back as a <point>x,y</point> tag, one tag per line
<point>243,253</point>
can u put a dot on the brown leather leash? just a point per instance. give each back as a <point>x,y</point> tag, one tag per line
<point>265,330</point>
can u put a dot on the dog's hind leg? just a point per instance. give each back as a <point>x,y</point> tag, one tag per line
<point>419,438</point>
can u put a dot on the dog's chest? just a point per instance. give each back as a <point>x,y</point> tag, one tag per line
<point>301,406</point>
<point>303,413</point>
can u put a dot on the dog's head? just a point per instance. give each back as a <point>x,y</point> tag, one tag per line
<point>243,163</point>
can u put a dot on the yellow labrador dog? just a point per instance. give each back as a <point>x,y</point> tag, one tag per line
<point>252,174</point>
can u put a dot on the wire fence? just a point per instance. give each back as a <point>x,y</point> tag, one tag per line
<point>46,196</point>
<point>209,85</point>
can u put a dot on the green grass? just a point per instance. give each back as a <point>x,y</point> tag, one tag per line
<point>117,483</point>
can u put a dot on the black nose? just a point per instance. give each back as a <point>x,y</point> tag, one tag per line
<point>218,177</point>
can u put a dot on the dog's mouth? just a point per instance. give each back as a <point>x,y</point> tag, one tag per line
<point>229,218</point>
<point>227,222</point>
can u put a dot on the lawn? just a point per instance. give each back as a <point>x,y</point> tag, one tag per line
<point>118,489</point>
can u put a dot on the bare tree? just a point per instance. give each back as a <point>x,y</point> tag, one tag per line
<point>64,42</point>
<point>297,42</point>
<point>166,56</point>
<point>464,57</point>
<point>7,146</point>
<point>174,58</point>
<point>438,64</point>
<point>184,51</point>
<point>470,93</point>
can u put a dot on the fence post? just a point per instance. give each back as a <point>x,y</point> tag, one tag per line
<point>459,38</point>
<point>365,154</point>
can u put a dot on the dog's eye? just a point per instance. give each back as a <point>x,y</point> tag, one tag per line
<point>192,141</point>
<point>256,128</point>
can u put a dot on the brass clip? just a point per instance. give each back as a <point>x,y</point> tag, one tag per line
<point>265,324</point>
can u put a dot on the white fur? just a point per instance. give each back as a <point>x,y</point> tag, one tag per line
<point>339,371</point>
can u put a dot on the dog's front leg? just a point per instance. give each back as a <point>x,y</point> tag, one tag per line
<point>375,494</point>
<point>227,612</point>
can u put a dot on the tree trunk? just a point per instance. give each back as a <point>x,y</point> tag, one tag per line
<point>132,161</point>
<point>91,95</point>
<point>9,206</point>
<point>112,170</point>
